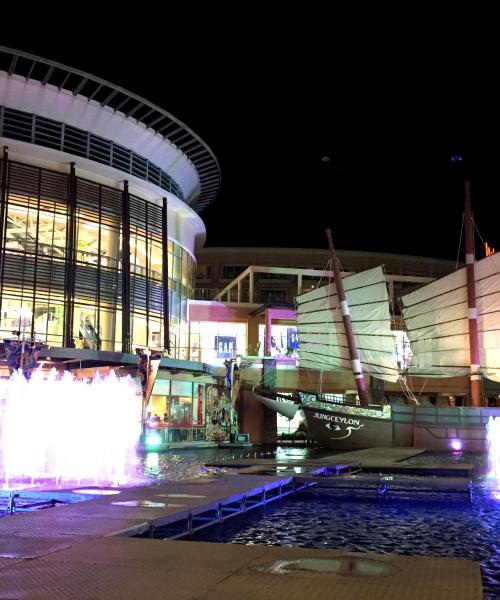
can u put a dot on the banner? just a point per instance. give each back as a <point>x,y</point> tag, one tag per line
<point>269,373</point>
<point>292,339</point>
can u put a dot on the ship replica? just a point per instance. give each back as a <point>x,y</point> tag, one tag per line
<point>453,326</point>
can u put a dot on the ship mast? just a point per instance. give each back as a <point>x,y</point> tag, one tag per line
<point>475,358</point>
<point>346,316</point>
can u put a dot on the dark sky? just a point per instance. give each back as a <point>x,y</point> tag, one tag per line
<point>272,102</point>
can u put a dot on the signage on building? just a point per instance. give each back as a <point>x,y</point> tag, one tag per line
<point>225,346</point>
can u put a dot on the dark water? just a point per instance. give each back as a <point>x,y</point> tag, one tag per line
<point>448,528</point>
<point>182,464</point>
<point>426,528</point>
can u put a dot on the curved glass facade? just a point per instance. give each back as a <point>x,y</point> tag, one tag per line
<point>85,265</point>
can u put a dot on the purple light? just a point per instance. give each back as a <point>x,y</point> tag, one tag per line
<point>97,492</point>
<point>456,444</point>
<point>68,430</point>
<point>493,437</point>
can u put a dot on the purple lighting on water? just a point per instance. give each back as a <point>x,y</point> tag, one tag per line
<point>493,437</point>
<point>456,444</point>
<point>66,429</point>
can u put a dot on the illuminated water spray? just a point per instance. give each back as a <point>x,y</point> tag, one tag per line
<point>64,429</point>
<point>493,436</point>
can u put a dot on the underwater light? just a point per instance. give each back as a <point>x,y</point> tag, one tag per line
<point>153,439</point>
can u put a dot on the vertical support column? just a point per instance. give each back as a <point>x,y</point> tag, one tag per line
<point>299,284</point>
<point>35,269</point>
<point>70,263</point>
<point>475,358</point>
<point>253,336</point>
<point>147,242</point>
<point>3,213</point>
<point>98,324</point>
<point>164,266</point>
<point>391,292</point>
<point>269,323</point>
<point>346,316</point>
<point>238,299</point>
<point>126,341</point>
<point>251,287</point>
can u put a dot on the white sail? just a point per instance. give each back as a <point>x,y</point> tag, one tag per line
<point>322,340</point>
<point>437,321</point>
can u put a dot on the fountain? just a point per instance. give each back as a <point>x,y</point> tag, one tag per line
<point>493,437</point>
<point>63,430</point>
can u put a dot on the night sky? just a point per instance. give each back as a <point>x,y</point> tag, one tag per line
<point>311,134</point>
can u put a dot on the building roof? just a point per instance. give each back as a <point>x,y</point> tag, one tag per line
<point>49,72</point>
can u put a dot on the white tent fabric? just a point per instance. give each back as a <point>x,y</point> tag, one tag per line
<point>322,340</point>
<point>437,320</point>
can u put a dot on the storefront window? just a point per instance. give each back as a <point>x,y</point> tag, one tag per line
<point>284,340</point>
<point>199,405</point>
<point>213,343</point>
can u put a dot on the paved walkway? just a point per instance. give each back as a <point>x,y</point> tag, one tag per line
<point>118,568</point>
<point>81,551</point>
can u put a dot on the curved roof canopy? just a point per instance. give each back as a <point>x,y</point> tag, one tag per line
<point>131,105</point>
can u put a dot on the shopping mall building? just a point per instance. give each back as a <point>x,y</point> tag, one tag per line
<point>100,194</point>
<point>99,231</point>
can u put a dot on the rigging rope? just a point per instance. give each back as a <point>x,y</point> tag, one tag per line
<point>327,269</point>
<point>478,233</point>
<point>460,241</point>
<point>407,391</point>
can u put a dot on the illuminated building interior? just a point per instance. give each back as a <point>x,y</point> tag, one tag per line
<point>37,251</point>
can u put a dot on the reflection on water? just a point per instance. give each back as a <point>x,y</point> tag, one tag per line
<point>420,528</point>
<point>493,437</point>
<point>185,464</point>
<point>424,528</point>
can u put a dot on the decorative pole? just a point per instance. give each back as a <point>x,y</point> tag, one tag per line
<point>475,358</point>
<point>346,316</point>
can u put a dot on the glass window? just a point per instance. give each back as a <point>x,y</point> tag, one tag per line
<point>215,342</point>
<point>284,340</point>
<point>139,330</point>
<point>88,242</point>
<point>156,260</point>
<point>38,225</point>
<point>232,271</point>
<point>199,405</point>
<point>180,411</point>
<point>85,324</point>
<point>185,269</point>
